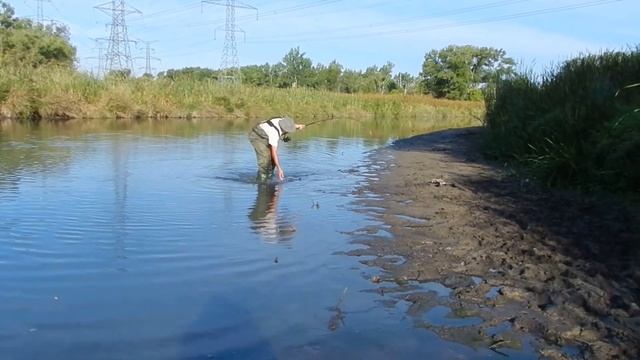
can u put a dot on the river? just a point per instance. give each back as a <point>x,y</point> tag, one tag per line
<point>154,242</point>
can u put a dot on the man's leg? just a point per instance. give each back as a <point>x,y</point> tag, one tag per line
<point>263,157</point>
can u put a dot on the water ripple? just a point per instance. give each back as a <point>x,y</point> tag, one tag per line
<point>126,246</point>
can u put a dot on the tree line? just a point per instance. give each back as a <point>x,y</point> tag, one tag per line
<point>296,70</point>
<point>455,72</point>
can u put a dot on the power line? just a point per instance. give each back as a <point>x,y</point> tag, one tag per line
<point>383,24</point>
<point>272,13</point>
<point>60,16</point>
<point>276,12</point>
<point>230,64</point>
<point>168,12</point>
<point>530,13</point>
<point>400,26</point>
<point>434,27</point>
<point>118,56</point>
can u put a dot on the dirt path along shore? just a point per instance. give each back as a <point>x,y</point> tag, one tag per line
<point>541,264</point>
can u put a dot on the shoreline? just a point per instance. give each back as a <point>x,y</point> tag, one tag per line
<point>544,264</point>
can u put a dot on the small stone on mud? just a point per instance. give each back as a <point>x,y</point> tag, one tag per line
<point>438,182</point>
<point>455,281</point>
<point>513,293</point>
<point>553,354</point>
<point>581,334</point>
<point>634,310</point>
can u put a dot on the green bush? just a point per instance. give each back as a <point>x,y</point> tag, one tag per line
<point>576,126</point>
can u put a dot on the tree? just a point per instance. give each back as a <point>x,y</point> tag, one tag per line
<point>297,69</point>
<point>460,72</point>
<point>328,77</point>
<point>23,43</point>
<point>350,81</point>
<point>6,15</point>
<point>378,79</point>
<point>190,73</point>
<point>405,81</point>
<point>118,74</point>
<point>259,75</point>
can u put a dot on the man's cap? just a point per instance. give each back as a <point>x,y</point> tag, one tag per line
<point>287,124</point>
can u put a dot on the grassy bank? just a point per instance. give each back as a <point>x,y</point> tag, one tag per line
<point>50,93</point>
<point>576,126</point>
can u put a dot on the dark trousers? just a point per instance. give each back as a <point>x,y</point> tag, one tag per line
<point>258,139</point>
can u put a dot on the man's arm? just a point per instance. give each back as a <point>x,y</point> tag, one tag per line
<point>276,161</point>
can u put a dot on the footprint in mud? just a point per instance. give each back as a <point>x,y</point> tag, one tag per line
<point>337,320</point>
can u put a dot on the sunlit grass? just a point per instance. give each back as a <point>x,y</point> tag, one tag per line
<point>52,93</point>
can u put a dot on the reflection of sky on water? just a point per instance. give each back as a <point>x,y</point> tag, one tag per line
<point>142,246</point>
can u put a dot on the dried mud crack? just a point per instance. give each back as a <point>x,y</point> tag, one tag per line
<point>528,264</point>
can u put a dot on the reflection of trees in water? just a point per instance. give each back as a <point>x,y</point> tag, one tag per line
<point>148,127</point>
<point>29,157</point>
<point>272,226</point>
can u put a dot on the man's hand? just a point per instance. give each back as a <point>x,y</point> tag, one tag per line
<point>300,126</point>
<point>280,174</point>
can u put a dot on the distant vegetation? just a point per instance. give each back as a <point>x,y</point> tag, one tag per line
<point>455,73</point>
<point>25,44</point>
<point>464,72</point>
<point>59,93</point>
<point>38,81</point>
<point>577,126</point>
<point>297,71</point>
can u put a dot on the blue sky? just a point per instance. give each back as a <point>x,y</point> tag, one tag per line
<point>536,33</point>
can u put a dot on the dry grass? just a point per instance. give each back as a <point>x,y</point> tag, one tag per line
<point>59,94</point>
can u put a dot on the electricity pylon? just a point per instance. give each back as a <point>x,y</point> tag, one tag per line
<point>40,11</point>
<point>230,63</point>
<point>100,47</point>
<point>118,56</point>
<point>148,69</point>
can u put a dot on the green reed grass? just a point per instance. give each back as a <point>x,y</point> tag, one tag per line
<point>60,94</point>
<point>577,125</point>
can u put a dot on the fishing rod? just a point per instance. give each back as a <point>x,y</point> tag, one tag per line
<point>320,121</point>
<point>286,138</point>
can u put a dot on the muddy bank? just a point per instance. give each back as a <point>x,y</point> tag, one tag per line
<point>530,265</point>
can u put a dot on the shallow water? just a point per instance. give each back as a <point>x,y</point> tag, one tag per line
<point>159,245</point>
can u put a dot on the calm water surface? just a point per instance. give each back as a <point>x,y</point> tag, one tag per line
<point>158,245</point>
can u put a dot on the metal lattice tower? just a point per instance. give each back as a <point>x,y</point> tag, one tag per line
<point>148,69</point>
<point>40,11</point>
<point>230,63</point>
<point>118,55</point>
<point>100,47</point>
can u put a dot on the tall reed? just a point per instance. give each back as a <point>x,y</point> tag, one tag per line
<point>578,125</point>
<point>59,93</point>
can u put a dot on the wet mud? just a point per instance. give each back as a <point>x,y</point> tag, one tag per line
<point>511,263</point>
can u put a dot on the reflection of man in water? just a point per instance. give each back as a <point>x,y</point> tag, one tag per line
<point>264,215</point>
